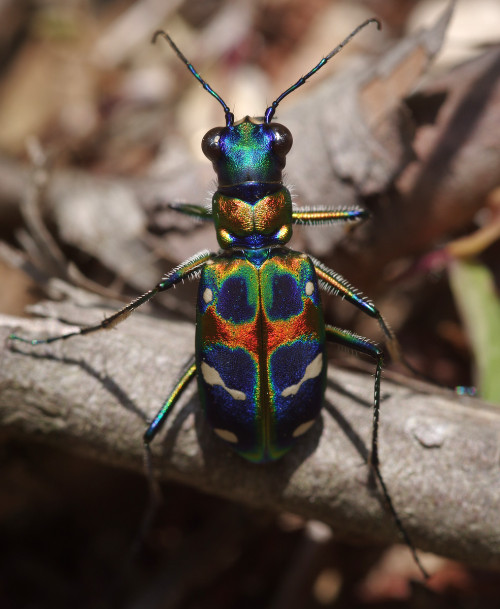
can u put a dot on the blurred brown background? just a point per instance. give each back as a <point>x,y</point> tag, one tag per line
<point>98,128</point>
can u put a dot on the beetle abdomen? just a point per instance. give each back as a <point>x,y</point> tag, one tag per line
<point>260,343</point>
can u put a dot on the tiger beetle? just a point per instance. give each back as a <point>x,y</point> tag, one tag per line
<point>260,356</point>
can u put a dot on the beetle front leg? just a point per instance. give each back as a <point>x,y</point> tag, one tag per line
<point>195,210</point>
<point>192,209</point>
<point>314,216</point>
<point>185,270</point>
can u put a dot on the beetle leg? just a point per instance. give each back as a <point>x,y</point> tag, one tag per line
<point>327,215</point>
<point>153,428</point>
<point>356,343</point>
<point>157,423</point>
<point>359,344</point>
<point>191,209</point>
<point>186,270</point>
<point>334,282</point>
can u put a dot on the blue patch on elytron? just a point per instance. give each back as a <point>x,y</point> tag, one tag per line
<point>229,389</point>
<point>298,372</point>
<point>289,374</point>
<point>286,298</point>
<point>238,377</point>
<point>232,301</point>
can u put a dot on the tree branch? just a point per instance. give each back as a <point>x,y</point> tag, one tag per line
<point>94,394</point>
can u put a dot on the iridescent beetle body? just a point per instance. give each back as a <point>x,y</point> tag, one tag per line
<point>260,358</point>
<point>260,336</point>
<point>260,333</point>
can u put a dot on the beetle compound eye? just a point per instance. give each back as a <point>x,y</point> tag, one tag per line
<point>210,143</point>
<point>283,139</point>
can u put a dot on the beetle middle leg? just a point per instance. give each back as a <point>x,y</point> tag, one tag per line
<point>336,284</point>
<point>189,268</point>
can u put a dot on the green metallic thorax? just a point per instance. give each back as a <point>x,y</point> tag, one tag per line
<point>263,223</point>
<point>251,208</point>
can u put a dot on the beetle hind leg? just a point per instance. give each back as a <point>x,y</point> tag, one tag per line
<point>160,418</point>
<point>358,344</point>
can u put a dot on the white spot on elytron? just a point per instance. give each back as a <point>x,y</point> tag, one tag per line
<point>212,377</point>
<point>207,295</point>
<point>312,371</point>
<point>227,435</point>
<point>309,288</point>
<point>301,429</point>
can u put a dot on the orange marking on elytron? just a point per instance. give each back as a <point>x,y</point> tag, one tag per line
<point>217,330</point>
<point>279,331</point>
<point>244,335</point>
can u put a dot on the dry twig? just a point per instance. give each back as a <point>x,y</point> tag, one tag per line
<point>439,453</point>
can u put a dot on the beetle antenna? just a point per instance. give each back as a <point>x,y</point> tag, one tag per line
<point>272,108</point>
<point>229,115</point>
